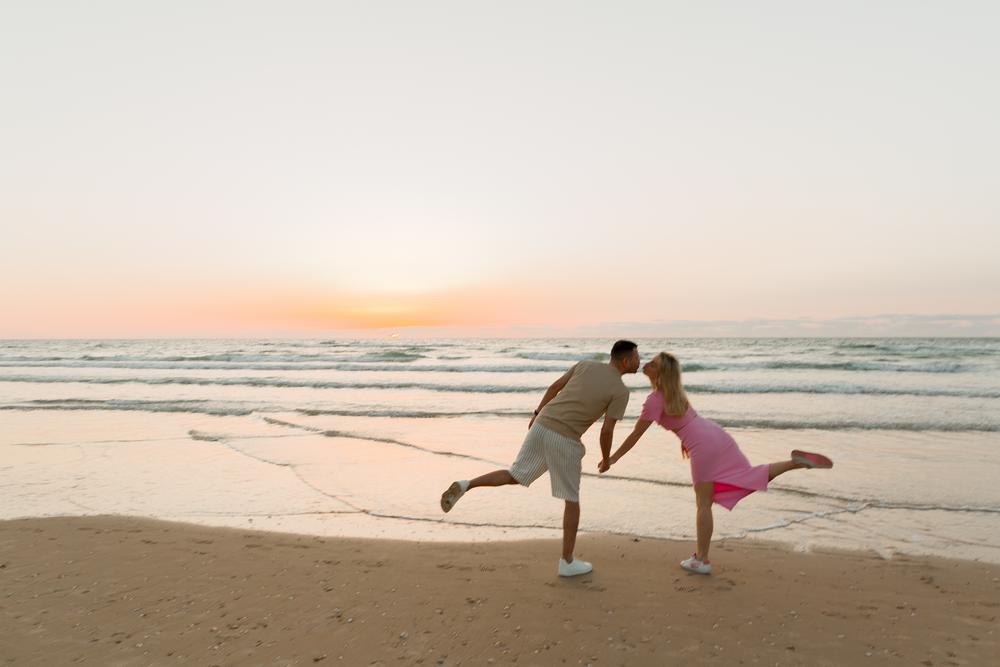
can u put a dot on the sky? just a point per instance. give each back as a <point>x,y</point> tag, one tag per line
<point>499,168</point>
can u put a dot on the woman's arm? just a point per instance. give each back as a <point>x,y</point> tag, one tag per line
<point>640,427</point>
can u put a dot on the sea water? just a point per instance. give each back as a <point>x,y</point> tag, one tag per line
<point>359,437</point>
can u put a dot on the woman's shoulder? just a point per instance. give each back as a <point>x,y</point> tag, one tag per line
<point>654,397</point>
<point>652,407</point>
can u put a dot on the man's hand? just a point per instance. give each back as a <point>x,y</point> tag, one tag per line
<point>604,465</point>
<point>532,421</point>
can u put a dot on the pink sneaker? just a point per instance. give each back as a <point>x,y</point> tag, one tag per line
<point>810,460</point>
<point>692,564</point>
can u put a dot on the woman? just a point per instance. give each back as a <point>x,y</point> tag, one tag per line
<point>719,470</point>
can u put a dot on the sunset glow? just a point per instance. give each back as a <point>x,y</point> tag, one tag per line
<point>330,170</point>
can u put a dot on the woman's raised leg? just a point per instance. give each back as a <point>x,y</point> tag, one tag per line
<point>775,469</point>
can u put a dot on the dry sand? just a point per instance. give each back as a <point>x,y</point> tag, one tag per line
<point>124,591</point>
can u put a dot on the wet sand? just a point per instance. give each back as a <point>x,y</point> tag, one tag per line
<point>125,591</point>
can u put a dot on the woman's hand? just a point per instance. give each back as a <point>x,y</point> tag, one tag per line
<point>604,465</point>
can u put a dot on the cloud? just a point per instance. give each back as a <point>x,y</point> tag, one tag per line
<point>859,326</point>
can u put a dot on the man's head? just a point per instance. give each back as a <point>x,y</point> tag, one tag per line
<point>625,356</point>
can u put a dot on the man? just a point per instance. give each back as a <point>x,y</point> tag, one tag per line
<point>569,407</point>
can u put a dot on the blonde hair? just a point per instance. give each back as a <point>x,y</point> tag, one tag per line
<point>675,401</point>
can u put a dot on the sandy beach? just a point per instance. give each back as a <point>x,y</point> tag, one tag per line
<point>274,278</point>
<point>277,503</point>
<point>126,591</point>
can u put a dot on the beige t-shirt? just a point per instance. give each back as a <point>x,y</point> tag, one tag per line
<point>593,390</point>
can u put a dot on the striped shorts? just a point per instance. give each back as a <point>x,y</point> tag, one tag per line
<point>544,449</point>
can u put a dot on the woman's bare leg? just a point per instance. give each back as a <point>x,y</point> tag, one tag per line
<point>775,469</point>
<point>495,478</point>
<point>704,493</point>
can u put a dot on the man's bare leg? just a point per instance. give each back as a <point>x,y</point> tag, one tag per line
<point>495,478</point>
<point>458,489</point>
<point>571,521</point>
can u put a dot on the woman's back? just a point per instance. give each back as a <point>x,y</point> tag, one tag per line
<point>693,429</point>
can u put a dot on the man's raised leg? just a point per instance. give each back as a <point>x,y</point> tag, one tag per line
<point>458,489</point>
<point>495,478</point>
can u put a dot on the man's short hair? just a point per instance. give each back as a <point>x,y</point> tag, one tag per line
<point>622,349</point>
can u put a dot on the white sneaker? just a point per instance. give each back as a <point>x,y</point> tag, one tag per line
<point>692,564</point>
<point>574,568</point>
<point>453,493</point>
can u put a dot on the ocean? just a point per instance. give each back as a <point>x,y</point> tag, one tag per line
<point>342,437</point>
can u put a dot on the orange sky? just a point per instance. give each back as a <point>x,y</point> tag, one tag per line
<point>367,167</point>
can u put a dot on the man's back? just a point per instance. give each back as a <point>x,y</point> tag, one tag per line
<point>593,390</point>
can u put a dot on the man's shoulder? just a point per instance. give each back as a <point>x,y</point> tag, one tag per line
<point>602,374</point>
<point>591,365</point>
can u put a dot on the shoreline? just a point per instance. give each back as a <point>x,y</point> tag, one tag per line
<point>329,478</point>
<point>127,590</point>
<point>507,535</point>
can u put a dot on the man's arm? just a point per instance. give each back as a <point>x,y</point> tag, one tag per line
<point>617,407</point>
<point>607,432</point>
<point>551,392</point>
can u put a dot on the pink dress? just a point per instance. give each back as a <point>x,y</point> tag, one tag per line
<point>715,456</point>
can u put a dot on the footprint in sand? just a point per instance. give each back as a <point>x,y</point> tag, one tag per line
<point>450,566</point>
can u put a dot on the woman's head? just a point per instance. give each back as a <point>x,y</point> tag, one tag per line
<point>664,373</point>
<point>651,369</point>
